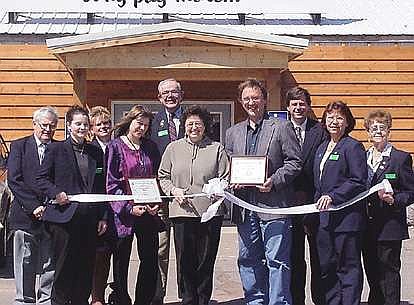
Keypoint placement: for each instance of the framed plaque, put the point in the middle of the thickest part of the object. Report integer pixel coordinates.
(145, 189)
(248, 170)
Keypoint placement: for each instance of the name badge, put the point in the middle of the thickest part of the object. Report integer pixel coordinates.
(163, 133)
(334, 157)
(391, 176)
(99, 170)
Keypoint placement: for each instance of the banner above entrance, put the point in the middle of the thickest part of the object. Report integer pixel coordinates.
(168, 6)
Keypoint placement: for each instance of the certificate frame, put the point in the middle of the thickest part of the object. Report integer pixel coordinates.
(146, 189)
(248, 170)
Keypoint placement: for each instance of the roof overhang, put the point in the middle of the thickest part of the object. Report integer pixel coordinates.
(213, 37)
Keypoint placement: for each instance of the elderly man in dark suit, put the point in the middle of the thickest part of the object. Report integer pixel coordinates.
(165, 128)
(310, 135)
(264, 239)
(32, 238)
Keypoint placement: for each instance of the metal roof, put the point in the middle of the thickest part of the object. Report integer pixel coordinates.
(346, 17)
(178, 27)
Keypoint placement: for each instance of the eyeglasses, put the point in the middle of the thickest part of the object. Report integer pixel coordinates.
(173, 92)
(46, 126)
(335, 118)
(254, 99)
(378, 128)
(194, 124)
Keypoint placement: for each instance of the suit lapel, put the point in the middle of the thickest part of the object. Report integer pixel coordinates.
(240, 143)
(379, 174)
(266, 135)
(309, 139)
(70, 156)
(32, 152)
(91, 168)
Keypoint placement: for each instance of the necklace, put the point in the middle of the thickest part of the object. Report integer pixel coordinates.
(134, 146)
(137, 152)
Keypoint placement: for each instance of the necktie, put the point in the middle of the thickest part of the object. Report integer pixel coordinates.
(298, 131)
(42, 149)
(171, 128)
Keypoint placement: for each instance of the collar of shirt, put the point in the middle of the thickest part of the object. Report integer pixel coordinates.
(385, 153)
(302, 126)
(38, 142)
(101, 144)
(177, 113)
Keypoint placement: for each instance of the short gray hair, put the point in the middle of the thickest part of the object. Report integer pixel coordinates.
(161, 83)
(42, 112)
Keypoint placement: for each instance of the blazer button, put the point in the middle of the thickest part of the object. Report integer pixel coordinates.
(369, 204)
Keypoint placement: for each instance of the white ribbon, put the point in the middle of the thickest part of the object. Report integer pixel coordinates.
(216, 187)
(295, 210)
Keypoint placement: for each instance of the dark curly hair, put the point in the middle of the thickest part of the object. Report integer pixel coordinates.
(202, 113)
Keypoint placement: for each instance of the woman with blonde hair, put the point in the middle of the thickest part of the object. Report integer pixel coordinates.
(133, 155)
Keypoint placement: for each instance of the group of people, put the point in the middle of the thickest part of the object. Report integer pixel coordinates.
(70, 244)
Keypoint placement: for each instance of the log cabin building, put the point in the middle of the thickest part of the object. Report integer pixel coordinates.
(361, 53)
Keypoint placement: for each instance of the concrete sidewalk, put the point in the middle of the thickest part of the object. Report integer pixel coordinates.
(227, 289)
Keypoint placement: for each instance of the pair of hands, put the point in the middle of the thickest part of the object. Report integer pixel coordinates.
(102, 225)
(325, 201)
(138, 210)
(266, 187)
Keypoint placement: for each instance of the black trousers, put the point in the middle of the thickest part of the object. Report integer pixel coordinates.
(298, 263)
(146, 232)
(74, 246)
(196, 247)
(382, 265)
(341, 267)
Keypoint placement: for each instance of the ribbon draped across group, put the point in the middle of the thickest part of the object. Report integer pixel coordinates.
(217, 188)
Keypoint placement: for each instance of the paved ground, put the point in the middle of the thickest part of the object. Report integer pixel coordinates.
(227, 290)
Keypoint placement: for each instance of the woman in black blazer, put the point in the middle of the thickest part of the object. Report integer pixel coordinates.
(340, 173)
(386, 212)
(73, 167)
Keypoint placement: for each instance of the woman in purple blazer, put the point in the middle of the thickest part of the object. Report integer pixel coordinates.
(132, 155)
(340, 172)
(386, 212)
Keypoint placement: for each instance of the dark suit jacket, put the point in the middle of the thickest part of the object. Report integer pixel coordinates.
(23, 164)
(342, 179)
(314, 136)
(159, 131)
(278, 142)
(60, 173)
(389, 222)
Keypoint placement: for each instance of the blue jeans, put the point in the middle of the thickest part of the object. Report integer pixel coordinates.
(264, 260)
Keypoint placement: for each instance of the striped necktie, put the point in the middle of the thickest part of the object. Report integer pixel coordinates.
(42, 149)
(298, 132)
(171, 128)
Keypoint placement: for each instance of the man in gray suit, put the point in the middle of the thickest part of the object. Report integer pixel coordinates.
(264, 239)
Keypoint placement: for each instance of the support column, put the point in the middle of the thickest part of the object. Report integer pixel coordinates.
(79, 87)
(273, 87)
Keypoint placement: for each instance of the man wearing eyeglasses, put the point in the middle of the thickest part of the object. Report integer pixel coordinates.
(32, 239)
(165, 128)
(264, 239)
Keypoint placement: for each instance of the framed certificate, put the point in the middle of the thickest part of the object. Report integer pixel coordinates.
(248, 170)
(145, 189)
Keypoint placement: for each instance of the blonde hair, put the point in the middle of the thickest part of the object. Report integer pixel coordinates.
(99, 112)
